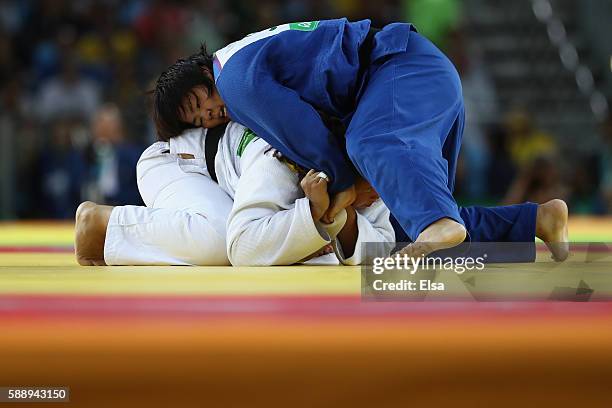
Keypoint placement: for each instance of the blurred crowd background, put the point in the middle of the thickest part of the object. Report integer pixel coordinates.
(74, 74)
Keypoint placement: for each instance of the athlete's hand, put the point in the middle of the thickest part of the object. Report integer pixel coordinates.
(366, 195)
(339, 202)
(327, 249)
(315, 188)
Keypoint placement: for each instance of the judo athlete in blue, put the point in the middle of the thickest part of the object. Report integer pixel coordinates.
(400, 99)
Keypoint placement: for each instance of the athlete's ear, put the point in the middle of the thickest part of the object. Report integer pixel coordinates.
(206, 71)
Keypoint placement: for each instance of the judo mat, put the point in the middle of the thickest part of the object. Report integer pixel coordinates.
(287, 336)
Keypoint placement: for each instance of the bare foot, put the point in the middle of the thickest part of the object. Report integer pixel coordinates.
(442, 234)
(90, 233)
(551, 227)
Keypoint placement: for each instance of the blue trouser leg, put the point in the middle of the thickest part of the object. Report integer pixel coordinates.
(506, 224)
(512, 223)
(405, 134)
(511, 229)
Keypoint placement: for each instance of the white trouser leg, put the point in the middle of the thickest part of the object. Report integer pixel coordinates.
(184, 222)
(162, 236)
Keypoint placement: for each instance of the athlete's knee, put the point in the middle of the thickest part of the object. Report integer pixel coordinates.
(91, 221)
(92, 216)
(85, 211)
(373, 146)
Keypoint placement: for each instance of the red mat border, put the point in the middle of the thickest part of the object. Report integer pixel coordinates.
(294, 306)
(36, 249)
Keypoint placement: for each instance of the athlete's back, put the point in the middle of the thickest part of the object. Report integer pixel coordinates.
(274, 81)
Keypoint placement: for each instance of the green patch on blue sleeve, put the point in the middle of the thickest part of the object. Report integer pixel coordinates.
(304, 26)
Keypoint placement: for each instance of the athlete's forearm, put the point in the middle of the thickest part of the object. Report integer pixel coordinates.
(371, 225)
(349, 234)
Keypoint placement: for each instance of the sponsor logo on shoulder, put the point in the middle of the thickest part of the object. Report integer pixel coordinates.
(247, 137)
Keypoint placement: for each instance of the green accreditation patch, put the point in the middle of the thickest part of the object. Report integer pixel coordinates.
(247, 137)
(304, 26)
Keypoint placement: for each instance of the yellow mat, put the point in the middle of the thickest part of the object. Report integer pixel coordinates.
(582, 229)
(285, 336)
(57, 273)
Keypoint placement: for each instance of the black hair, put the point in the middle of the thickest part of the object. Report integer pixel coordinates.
(173, 85)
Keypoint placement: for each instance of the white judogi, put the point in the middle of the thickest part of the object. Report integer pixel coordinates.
(184, 222)
(269, 224)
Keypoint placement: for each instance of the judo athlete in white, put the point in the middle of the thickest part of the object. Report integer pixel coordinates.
(190, 220)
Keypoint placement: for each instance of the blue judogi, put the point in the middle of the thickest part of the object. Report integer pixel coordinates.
(403, 110)
(511, 223)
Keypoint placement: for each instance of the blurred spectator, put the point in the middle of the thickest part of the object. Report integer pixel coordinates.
(533, 153)
(12, 14)
(68, 95)
(606, 165)
(481, 109)
(206, 20)
(500, 169)
(162, 27)
(62, 170)
(584, 182)
(527, 143)
(61, 59)
(7, 65)
(8, 129)
(19, 138)
(113, 160)
(435, 19)
(539, 181)
(380, 12)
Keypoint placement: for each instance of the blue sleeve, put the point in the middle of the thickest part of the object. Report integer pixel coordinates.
(279, 116)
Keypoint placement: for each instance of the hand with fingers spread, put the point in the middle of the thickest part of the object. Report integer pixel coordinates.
(339, 202)
(315, 189)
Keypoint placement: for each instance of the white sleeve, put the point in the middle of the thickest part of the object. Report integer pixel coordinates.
(373, 226)
(270, 222)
